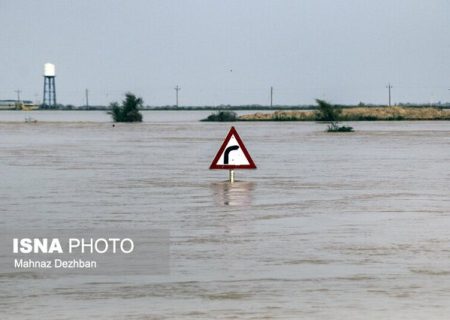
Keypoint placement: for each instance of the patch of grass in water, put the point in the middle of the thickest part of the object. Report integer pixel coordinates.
(339, 129)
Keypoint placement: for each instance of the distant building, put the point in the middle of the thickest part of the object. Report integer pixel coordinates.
(15, 105)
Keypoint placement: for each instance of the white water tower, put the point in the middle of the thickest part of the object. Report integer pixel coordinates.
(49, 99)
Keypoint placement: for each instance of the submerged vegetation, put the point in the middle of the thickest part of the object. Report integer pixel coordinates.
(327, 112)
(129, 110)
(222, 116)
(333, 127)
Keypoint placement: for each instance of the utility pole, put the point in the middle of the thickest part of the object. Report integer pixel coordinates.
(389, 86)
(87, 98)
(271, 96)
(177, 89)
(18, 91)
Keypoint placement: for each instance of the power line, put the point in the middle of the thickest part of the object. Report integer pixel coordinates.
(389, 86)
(271, 96)
(177, 89)
(87, 98)
(18, 91)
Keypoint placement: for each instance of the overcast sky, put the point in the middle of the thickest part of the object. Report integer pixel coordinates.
(228, 51)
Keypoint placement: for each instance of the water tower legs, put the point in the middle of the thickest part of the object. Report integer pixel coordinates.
(49, 100)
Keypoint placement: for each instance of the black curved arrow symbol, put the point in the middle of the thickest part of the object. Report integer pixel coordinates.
(227, 152)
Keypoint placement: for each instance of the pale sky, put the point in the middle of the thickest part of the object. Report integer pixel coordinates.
(228, 51)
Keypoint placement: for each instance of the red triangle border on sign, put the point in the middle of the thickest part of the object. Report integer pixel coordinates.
(234, 133)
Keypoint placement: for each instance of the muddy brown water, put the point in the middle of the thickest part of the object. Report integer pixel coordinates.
(330, 226)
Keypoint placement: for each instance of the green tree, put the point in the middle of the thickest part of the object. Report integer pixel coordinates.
(331, 114)
(327, 112)
(128, 111)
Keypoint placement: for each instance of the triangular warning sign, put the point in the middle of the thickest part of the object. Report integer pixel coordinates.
(233, 154)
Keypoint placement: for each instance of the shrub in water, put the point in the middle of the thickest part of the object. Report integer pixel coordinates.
(129, 110)
(339, 129)
(222, 116)
(330, 113)
(327, 111)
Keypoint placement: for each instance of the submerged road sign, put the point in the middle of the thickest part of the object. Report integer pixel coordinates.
(233, 154)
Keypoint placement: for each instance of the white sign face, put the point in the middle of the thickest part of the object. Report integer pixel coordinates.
(233, 154)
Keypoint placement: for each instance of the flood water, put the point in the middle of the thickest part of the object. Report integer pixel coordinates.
(330, 226)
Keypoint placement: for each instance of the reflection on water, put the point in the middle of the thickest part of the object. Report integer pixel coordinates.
(238, 193)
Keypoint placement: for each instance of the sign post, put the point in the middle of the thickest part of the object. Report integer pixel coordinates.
(231, 176)
(232, 155)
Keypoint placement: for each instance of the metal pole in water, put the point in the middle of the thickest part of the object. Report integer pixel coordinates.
(231, 176)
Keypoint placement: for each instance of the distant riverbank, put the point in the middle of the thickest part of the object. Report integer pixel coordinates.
(355, 114)
(348, 114)
(171, 108)
(96, 116)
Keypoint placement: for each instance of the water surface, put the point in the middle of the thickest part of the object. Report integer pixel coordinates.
(330, 226)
